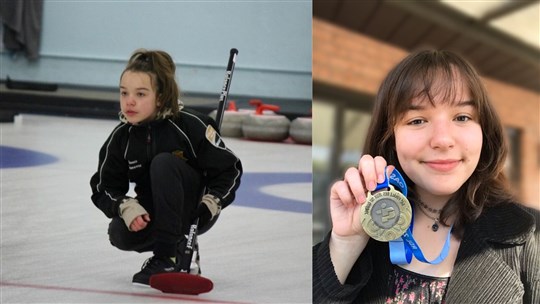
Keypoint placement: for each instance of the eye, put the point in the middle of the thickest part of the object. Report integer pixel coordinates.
(463, 118)
(417, 121)
(122, 93)
(141, 94)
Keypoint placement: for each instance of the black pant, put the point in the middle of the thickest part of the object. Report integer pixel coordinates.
(176, 190)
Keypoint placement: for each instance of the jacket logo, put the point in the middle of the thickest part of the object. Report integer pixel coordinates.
(213, 137)
(134, 164)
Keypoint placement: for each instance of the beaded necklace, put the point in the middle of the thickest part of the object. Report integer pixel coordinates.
(435, 226)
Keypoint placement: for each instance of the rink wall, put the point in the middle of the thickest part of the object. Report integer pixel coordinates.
(85, 45)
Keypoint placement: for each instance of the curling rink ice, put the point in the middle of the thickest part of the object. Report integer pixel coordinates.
(54, 243)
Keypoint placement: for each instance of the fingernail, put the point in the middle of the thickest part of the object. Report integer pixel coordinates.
(372, 186)
(380, 178)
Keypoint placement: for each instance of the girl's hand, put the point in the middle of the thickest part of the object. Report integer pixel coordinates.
(348, 238)
(348, 195)
(140, 222)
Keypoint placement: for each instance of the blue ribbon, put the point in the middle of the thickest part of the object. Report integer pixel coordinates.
(403, 248)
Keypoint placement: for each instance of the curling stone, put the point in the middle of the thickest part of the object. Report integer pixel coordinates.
(231, 125)
(264, 126)
(300, 130)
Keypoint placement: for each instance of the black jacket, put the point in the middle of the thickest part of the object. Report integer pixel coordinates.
(498, 261)
(126, 156)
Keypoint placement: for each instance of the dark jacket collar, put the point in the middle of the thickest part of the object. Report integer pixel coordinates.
(509, 224)
(151, 124)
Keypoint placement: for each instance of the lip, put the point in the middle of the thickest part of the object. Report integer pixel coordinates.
(443, 165)
(130, 113)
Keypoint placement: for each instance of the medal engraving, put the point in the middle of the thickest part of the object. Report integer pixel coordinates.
(386, 215)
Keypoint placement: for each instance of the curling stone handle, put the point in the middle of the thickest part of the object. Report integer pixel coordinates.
(255, 102)
(260, 108)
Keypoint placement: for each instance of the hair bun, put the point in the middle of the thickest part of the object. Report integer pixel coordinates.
(144, 57)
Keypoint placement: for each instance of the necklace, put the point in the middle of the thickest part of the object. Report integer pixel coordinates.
(432, 210)
(435, 225)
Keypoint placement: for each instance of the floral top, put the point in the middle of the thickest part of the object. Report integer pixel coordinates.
(411, 287)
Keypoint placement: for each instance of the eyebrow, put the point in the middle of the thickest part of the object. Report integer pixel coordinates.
(146, 89)
(464, 103)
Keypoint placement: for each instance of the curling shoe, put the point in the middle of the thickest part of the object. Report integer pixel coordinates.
(151, 266)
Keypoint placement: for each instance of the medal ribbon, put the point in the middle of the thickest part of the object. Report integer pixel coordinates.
(403, 248)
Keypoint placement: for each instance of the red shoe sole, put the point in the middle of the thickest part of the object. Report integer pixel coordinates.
(182, 283)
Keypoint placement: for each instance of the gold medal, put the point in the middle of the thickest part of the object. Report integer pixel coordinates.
(386, 214)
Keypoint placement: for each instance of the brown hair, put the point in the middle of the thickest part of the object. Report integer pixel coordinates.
(418, 75)
(161, 68)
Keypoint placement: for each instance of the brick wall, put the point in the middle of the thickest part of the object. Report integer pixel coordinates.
(346, 60)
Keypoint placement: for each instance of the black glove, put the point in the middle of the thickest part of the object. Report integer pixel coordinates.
(209, 208)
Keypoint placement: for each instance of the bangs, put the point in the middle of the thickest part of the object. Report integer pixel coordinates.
(442, 86)
(439, 78)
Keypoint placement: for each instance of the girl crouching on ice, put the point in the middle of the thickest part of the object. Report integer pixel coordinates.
(170, 153)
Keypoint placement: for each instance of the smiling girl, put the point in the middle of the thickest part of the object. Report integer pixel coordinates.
(171, 154)
(434, 123)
